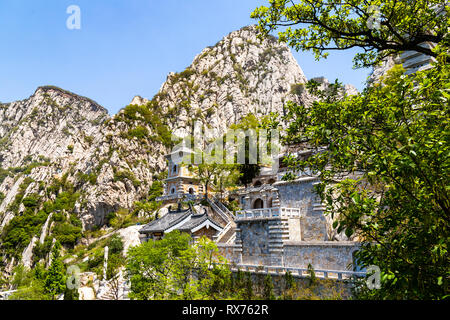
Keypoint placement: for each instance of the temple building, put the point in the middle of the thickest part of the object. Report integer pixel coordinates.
(184, 220)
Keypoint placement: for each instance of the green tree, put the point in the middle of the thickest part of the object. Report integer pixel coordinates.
(71, 294)
(175, 268)
(115, 244)
(248, 289)
(22, 276)
(379, 28)
(33, 291)
(268, 288)
(28, 283)
(227, 177)
(383, 159)
(216, 176)
(150, 265)
(290, 286)
(55, 281)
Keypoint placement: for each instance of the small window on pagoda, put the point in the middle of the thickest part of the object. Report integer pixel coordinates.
(174, 169)
(172, 191)
(191, 190)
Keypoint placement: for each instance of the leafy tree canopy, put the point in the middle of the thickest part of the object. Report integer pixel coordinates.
(380, 28)
(383, 157)
(174, 268)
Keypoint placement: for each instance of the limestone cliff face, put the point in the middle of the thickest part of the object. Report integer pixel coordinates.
(237, 76)
(111, 161)
(225, 82)
(46, 124)
(42, 137)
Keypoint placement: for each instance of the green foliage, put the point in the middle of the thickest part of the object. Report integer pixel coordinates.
(24, 169)
(91, 177)
(3, 174)
(150, 205)
(268, 288)
(212, 174)
(139, 132)
(248, 289)
(88, 139)
(395, 138)
(297, 89)
(115, 244)
(67, 233)
(290, 286)
(121, 219)
(152, 115)
(334, 25)
(40, 251)
(71, 294)
(55, 280)
(96, 259)
(22, 276)
(174, 268)
(33, 291)
(115, 262)
(65, 201)
(156, 190)
(31, 201)
(28, 283)
(186, 74)
(122, 175)
(18, 232)
(312, 274)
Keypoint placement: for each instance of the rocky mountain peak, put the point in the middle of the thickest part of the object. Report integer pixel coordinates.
(48, 124)
(238, 75)
(138, 100)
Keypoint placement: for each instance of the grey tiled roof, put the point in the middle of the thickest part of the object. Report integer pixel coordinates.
(165, 222)
(197, 220)
(174, 217)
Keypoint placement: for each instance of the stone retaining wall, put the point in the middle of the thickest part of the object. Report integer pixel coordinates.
(321, 288)
(325, 255)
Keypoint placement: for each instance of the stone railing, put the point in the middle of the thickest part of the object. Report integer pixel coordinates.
(296, 173)
(219, 211)
(176, 196)
(299, 272)
(268, 213)
(226, 232)
(223, 208)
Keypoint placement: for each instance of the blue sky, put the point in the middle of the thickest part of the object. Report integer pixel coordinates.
(124, 47)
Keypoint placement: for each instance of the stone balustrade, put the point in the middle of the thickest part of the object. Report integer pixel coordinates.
(268, 213)
(176, 196)
(299, 272)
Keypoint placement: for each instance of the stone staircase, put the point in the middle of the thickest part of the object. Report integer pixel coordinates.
(224, 209)
(278, 234)
(114, 289)
(225, 215)
(229, 232)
